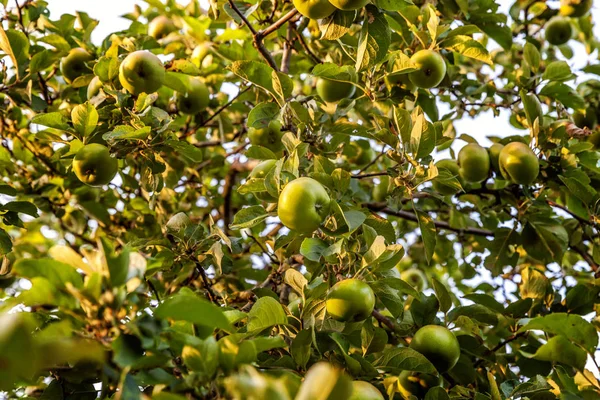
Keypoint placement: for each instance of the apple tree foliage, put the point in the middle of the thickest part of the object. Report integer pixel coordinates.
(177, 280)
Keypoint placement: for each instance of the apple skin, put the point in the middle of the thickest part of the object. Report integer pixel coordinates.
(440, 186)
(314, 9)
(269, 136)
(558, 30)
(195, 100)
(431, 69)
(519, 164)
(349, 5)
(438, 345)
(260, 171)
(575, 8)
(334, 91)
(364, 153)
(160, 27)
(416, 384)
(303, 205)
(494, 152)
(362, 390)
(585, 119)
(94, 166)
(474, 163)
(141, 72)
(415, 277)
(350, 300)
(94, 87)
(73, 65)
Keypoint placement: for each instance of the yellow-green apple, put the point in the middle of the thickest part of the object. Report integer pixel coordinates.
(94, 166)
(195, 100)
(141, 72)
(519, 164)
(438, 344)
(75, 64)
(94, 87)
(362, 390)
(268, 136)
(350, 300)
(260, 171)
(474, 163)
(430, 69)
(303, 205)
(349, 5)
(160, 27)
(558, 30)
(314, 9)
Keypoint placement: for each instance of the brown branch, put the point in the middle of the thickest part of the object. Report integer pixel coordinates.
(384, 320)
(211, 295)
(500, 345)
(369, 175)
(587, 258)
(287, 50)
(260, 35)
(308, 50)
(410, 216)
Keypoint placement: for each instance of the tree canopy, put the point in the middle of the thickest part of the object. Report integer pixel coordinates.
(262, 199)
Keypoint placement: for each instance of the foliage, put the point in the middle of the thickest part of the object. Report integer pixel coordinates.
(177, 279)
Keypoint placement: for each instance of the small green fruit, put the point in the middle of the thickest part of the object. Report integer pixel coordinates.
(94, 166)
(333, 91)
(349, 5)
(519, 164)
(303, 205)
(160, 27)
(314, 9)
(415, 277)
(438, 345)
(474, 163)
(195, 100)
(441, 186)
(260, 171)
(362, 390)
(141, 72)
(558, 30)
(494, 152)
(350, 300)
(74, 64)
(269, 136)
(431, 69)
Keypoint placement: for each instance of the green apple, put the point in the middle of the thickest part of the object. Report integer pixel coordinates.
(269, 136)
(519, 164)
(314, 9)
(333, 91)
(350, 300)
(199, 53)
(349, 5)
(558, 30)
(303, 205)
(494, 152)
(94, 166)
(444, 187)
(438, 344)
(415, 277)
(94, 87)
(474, 163)
(575, 8)
(416, 383)
(195, 100)
(585, 119)
(402, 80)
(362, 152)
(74, 64)
(362, 390)
(141, 72)
(160, 27)
(260, 171)
(431, 69)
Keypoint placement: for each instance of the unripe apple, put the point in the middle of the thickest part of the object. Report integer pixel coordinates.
(519, 164)
(94, 166)
(439, 185)
(314, 9)
(333, 91)
(494, 152)
(350, 300)
(141, 72)
(199, 53)
(195, 100)
(362, 390)
(474, 163)
(260, 171)
(558, 30)
(575, 8)
(416, 384)
(585, 119)
(160, 27)
(363, 153)
(269, 136)
(438, 345)
(349, 5)
(415, 277)
(303, 205)
(431, 69)
(74, 64)
(94, 87)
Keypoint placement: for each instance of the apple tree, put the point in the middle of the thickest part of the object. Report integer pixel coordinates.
(274, 199)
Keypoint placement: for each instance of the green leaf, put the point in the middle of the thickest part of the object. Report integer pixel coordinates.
(260, 74)
(545, 239)
(560, 349)
(374, 40)
(405, 359)
(313, 248)
(187, 150)
(475, 311)
(532, 55)
(15, 45)
(468, 47)
(57, 273)
(336, 25)
(187, 306)
(295, 280)
(558, 71)
(42, 60)
(5, 243)
(422, 135)
(249, 217)
(24, 207)
(335, 73)
(202, 357)
(85, 118)
(52, 120)
(389, 290)
(437, 393)
(263, 113)
(571, 326)
(441, 292)
(565, 94)
(177, 81)
(582, 191)
(428, 233)
(265, 313)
